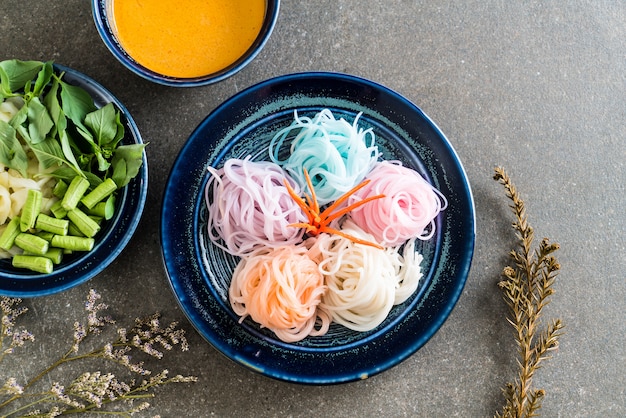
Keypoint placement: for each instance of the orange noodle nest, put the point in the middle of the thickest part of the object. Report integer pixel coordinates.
(280, 289)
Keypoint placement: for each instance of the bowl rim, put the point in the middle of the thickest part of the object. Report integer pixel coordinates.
(99, 13)
(254, 353)
(111, 242)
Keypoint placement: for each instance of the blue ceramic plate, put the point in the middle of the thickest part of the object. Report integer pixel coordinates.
(111, 239)
(199, 272)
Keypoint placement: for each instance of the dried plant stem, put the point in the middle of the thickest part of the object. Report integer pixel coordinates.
(527, 287)
(66, 358)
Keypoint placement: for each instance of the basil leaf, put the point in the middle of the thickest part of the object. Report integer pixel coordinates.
(67, 151)
(43, 78)
(126, 162)
(94, 180)
(49, 153)
(51, 101)
(102, 123)
(103, 164)
(120, 131)
(19, 122)
(27, 86)
(61, 126)
(12, 153)
(66, 173)
(86, 142)
(15, 74)
(119, 172)
(39, 121)
(76, 103)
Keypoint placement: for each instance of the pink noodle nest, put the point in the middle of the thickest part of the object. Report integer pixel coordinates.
(250, 208)
(408, 209)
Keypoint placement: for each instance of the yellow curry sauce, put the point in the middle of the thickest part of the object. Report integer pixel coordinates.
(187, 38)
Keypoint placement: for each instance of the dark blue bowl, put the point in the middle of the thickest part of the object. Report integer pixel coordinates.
(101, 10)
(115, 233)
(200, 273)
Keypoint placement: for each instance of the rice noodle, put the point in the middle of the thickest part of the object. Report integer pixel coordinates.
(408, 209)
(336, 154)
(280, 289)
(296, 287)
(364, 282)
(249, 207)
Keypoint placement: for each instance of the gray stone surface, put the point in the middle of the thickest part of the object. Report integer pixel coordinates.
(537, 87)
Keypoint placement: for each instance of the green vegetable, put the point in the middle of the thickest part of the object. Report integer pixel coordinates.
(36, 263)
(39, 121)
(12, 153)
(74, 193)
(77, 143)
(50, 224)
(15, 74)
(74, 231)
(63, 126)
(47, 235)
(58, 210)
(10, 232)
(83, 222)
(101, 191)
(104, 210)
(70, 242)
(54, 254)
(126, 163)
(59, 189)
(32, 243)
(31, 209)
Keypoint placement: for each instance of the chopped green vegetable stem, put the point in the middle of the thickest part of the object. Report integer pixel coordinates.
(31, 209)
(10, 233)
(33, 262)
(99, 210)
(54, 254)
(60, 188)
(75, 191)
(104, 209)
(74, 231)
(32, 243)
(70, 242)
(83, 222)
(50, 224)
(99, 193)
(58, 210)
(45, 235)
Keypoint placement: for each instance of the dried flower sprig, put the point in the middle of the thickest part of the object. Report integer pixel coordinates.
(16, 337)
(91, 391)
(527, 287)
